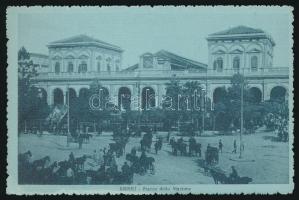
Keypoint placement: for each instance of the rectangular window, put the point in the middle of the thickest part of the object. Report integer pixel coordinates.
(82, 68)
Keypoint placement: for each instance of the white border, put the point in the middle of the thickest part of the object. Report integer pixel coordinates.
(12, 144)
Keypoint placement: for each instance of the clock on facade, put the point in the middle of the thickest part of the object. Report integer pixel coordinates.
(147, 61)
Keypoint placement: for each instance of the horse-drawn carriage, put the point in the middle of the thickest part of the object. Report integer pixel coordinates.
(220, 176)
(117, 148)
(142, 164)
(146, 141)
(212, 155)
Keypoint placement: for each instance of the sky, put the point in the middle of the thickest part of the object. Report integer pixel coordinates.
(181, 30)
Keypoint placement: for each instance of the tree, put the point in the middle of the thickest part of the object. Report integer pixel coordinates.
(189, 90)
(228, 108)
(185, 107)
(173, 90)
(28, 95)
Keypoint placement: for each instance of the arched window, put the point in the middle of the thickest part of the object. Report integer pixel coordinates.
(218, 65)
(82, 67)
(57, 67)
(215, 65)
(70, 67)
(254, 63)
(99, 66)
(236, 63)
(117, 63)
(108, 60)
(99, 58)
(108, 67)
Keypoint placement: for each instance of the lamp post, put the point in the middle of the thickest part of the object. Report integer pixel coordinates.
(100, 97)
(242, 120)
(214, 115)
(68, 115)
(146, 100)
(40, 96)
(203, 109)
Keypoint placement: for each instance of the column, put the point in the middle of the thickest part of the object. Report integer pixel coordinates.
(64, 97)
(135, 101)
(50, 97)
(92, 66)
(76, 61)
(161, 92)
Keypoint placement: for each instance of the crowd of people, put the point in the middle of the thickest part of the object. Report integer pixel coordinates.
(279, 124)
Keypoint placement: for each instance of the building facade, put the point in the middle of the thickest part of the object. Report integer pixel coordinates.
(74, 63)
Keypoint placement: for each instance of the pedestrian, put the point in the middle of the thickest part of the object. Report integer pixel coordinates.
(235, 147)
(101, 157)
(72, 159)
(70, 175)
(220, 146)
(168, 136)
(208, 147)
(126, 171)
(242, 146)
(113, 159)
(95, 156)
(156, 147)
(80, 140)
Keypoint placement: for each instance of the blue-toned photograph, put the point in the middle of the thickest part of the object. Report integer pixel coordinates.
(154, 96)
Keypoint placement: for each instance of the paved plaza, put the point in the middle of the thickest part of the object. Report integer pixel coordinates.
(264, 160)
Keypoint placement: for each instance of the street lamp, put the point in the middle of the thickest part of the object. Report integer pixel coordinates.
(68, 115)
(40, 96)
(146, 100)
(203, 109)
(242, 116)
(100, 97)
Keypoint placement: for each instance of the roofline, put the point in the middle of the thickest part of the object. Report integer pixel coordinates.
(186, 59)
(72, 44)
(39, 55)
(247, 35)
(132, 67)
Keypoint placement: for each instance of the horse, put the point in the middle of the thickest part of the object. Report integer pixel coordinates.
(40, 164)
(37, 168)
(149, 163)
(174, 147)
(218, 177)
(146, 141)
(47, 174)
(182, 147)
(119, 147)
(158, 145)
(79, 162)
(24, 157)
(197, 149)
(132, 158)
(115, 147)
(24, 167)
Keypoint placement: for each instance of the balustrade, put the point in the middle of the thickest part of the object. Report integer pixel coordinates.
(165, 73)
